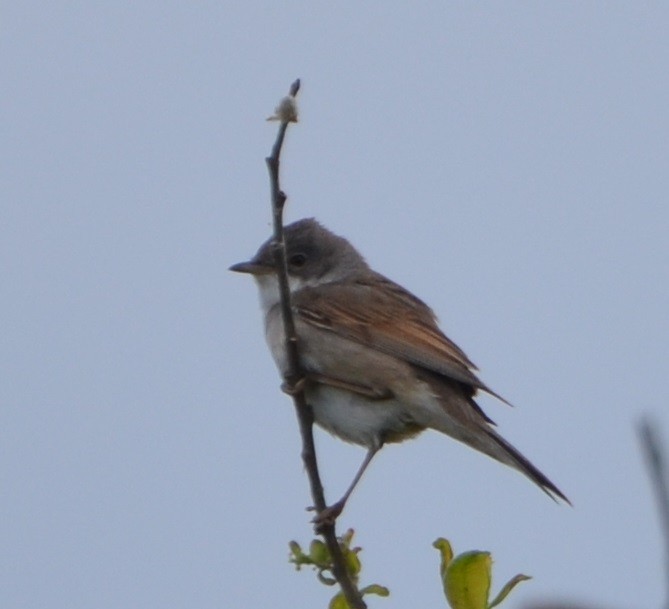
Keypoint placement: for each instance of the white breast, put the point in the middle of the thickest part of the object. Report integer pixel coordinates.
(356, 419)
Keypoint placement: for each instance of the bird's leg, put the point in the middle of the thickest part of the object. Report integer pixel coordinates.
(330, 513)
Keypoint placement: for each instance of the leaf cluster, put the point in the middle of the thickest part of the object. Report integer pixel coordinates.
(320, 558)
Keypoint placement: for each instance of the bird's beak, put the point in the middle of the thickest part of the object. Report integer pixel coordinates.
(252, 268)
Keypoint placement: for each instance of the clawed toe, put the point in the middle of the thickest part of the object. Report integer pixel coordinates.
(328, 516)
(292, 388)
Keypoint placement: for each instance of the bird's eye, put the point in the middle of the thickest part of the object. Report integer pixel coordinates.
(297, 260)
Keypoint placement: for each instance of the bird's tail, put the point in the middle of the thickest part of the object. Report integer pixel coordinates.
(498, 448)
(479, 434)
(459, 416)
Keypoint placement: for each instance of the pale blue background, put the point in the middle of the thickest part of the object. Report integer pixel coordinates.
(506, 161)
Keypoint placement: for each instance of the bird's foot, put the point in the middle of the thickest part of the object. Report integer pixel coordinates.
(328, 516)
(294, 387)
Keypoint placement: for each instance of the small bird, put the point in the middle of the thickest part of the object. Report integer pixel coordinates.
(377, 367)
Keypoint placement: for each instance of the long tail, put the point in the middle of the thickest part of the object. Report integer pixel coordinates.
(480, 436)
(508, 454)
(459, 416)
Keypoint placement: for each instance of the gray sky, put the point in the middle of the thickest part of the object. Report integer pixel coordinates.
(507, 162)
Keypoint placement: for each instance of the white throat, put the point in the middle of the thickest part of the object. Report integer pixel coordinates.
(268, 287)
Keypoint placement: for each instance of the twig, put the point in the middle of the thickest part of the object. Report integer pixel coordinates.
(652, 448)
(286, 114)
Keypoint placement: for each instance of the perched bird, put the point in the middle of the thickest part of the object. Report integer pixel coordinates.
(377, 367)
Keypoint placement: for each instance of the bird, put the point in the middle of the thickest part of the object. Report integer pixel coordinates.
(377, 368)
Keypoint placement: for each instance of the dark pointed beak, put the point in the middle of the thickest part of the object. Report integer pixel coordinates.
(252, 268)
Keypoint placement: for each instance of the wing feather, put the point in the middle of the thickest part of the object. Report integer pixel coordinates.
(391, 320)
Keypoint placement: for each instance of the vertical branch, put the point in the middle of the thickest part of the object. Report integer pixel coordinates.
(286, 113)
(655, 461)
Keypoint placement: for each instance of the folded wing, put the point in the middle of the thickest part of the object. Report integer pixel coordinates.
(390, 320)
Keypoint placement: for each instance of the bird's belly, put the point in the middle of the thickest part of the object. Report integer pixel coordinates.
(359, 420)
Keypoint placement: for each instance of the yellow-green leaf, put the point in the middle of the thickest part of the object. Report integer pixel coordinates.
(319, 553)
(347, 537)
(298, 557)
(510, 585)
(339, 602)
(446, 551)
(467, 580)
(324, 579)
(375, 589)
(352, 561)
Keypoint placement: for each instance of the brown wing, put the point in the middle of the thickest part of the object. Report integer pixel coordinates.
(389, 319)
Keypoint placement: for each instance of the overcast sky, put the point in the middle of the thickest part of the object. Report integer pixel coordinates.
(505, 161)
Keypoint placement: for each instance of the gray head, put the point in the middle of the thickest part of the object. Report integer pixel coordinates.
(314, 256)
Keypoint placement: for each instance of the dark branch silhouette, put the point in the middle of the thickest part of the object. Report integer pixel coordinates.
(293, 381)
(655, 461)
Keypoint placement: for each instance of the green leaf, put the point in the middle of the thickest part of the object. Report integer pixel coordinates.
(298, 557)
(339, 602)
(375, 589)
(446, 551)
(324, 579)
(353, 565)
(319, 553)
(467, 580)
(347, 538)
(510, 585)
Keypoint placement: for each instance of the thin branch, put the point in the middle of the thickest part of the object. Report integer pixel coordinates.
(286, 114)
(655, 462)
